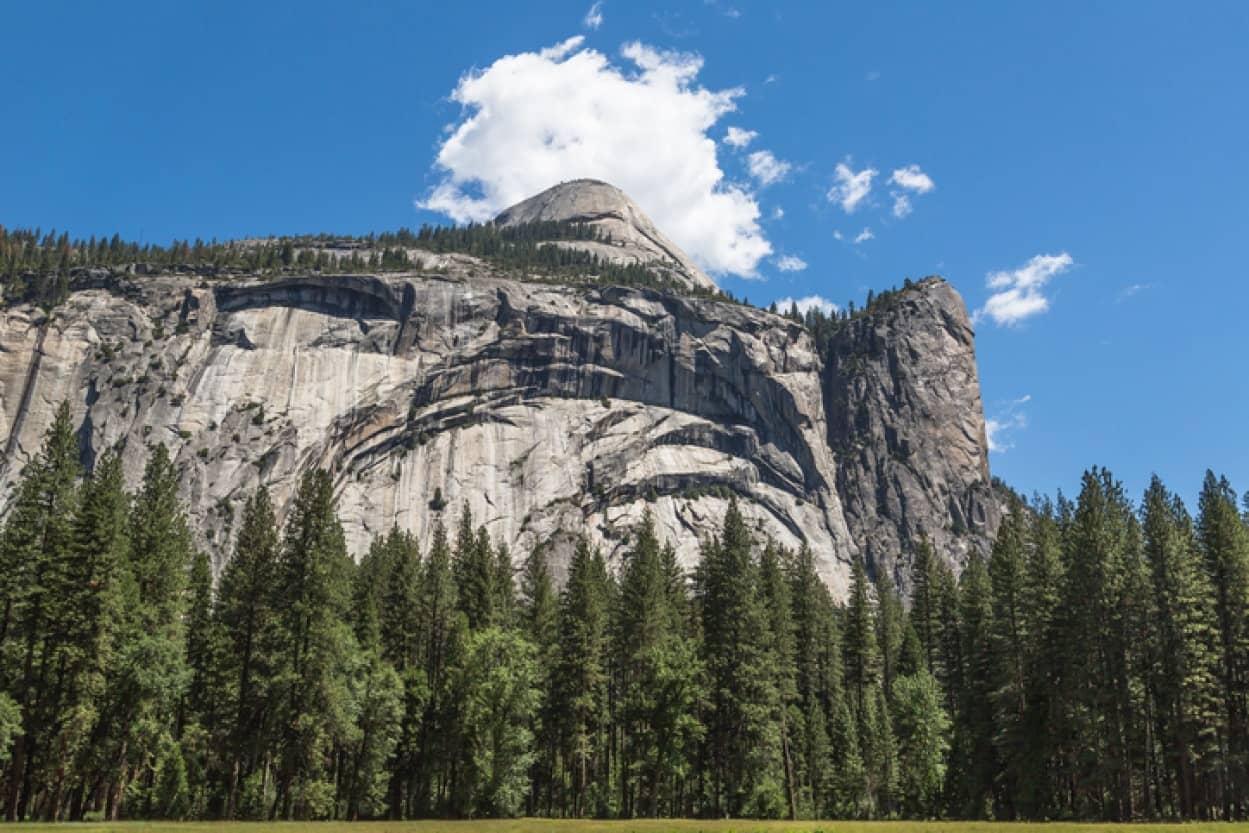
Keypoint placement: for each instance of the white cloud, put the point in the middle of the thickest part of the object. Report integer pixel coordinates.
(539, 118)
(558, 51)
(901, 205)
(912, 179)
(594, 17)
(766, 168)
(1000, 429)
(1019, 292)
(1133, 289)
(837, 234)
(790, 263)
(778, 213)
(810, 302)
(864, 236)
(728, 11)
(851, 187)
(738, 137)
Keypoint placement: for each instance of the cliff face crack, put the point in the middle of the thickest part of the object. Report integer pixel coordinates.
(28, 390)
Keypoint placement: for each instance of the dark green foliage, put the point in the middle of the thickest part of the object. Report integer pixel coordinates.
(315, 644)
(475, 573)
(659, 680)
(823, 326)
(44, 268)
(922, 728)
(582, 681)
(975, 762)
(246, 608)
(1224, 544)
(1092, 665)
(743, 733)
(1182, 654)
(496, 686)
(538, 619)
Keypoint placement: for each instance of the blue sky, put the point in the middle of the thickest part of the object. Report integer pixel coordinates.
(1110, 138)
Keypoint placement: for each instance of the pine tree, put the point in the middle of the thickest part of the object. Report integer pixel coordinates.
(440, 624)
(538, 607)
(101, 540)
(150, 675)
(947, 634)
(1042, 769)
(890, 631)
(975, 765)
(1224, 544)
(203, 712)
(369, 588)
(539, 621)
(389, 630)
(818, 670)
(1007, 645)
(37, 558)
(503, 588)
(743, 733)
(160, 548)
(880, 753)
(775, 596)
(475, 573)
(247, 602)
(861, 652)
(201, 644)
(659, 690)
(1097, 650)
(583, 676)
(1184, 651)
(400, 612)
(315, 646)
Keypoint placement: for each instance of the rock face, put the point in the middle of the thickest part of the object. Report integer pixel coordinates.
(634, 238)
(548, 410)
(906, 423)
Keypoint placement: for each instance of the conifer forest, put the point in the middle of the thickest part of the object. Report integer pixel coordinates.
(1092, 665)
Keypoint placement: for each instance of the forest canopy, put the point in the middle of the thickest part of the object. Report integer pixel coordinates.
(39, 267)
(1091, 665)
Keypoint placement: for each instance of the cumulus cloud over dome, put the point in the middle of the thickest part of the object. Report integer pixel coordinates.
(535, 119)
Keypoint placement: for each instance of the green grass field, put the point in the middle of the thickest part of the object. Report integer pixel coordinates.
(636, 826)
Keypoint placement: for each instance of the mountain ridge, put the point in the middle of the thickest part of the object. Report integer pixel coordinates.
(547, 409)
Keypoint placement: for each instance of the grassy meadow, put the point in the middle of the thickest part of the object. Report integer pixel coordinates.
(537, 825)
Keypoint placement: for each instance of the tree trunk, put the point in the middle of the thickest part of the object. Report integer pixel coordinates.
(114, 810)
(789, 769)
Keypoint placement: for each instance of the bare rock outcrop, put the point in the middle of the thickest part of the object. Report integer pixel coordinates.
(548, 410)
(633, 237)
(907, 426)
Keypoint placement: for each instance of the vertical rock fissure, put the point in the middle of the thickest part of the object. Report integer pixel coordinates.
(28, 390)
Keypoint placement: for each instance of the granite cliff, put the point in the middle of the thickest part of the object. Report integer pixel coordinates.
(549, 410)
(907, 428)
